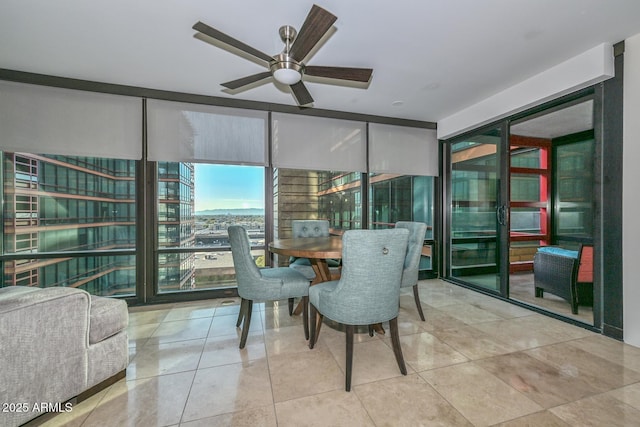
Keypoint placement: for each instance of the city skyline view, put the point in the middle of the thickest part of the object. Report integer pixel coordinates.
(228, 187)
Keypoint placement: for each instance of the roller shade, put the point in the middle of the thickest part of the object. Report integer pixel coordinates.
(317, 143)
(402, 150)
(203, 133)
(48, 120)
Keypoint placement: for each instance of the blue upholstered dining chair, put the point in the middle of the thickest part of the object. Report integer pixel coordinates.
(301, 228)
(368, 291)
(263, 284)
(412, 260)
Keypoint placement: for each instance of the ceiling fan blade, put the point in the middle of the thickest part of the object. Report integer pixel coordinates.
(220, 36)
(342, 73)
(315, 26)
(235, 84)
(301, 94)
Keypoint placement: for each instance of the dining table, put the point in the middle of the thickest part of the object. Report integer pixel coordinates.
(318, 250)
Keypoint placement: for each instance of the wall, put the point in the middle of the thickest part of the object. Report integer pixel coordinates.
(579, 72)
(631, 195)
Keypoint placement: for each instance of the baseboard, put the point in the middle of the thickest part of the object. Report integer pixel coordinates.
(100, 386)
(41, 419)
(613, 332)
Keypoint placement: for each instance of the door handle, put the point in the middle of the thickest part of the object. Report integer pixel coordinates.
(501, 214)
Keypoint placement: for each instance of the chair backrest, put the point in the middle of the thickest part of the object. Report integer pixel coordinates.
(369, 288)
(247, 272)
(417, 231)
(309, 228)
(585, 270)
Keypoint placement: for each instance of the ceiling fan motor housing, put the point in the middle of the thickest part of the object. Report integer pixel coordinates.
(284, 69)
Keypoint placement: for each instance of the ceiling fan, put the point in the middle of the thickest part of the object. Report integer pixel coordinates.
(287, 67)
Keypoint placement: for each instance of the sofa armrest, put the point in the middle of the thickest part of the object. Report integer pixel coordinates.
(43, 347)
(556, 274)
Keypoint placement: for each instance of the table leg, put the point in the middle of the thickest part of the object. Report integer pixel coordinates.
(321, 268)
(378, 328)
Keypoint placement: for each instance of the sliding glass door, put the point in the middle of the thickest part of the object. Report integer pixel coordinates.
(513, 188)
(553, 183)
(478, 214)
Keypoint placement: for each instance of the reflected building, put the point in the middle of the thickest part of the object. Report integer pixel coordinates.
(69, 206)
(77, 205)
(176, 225)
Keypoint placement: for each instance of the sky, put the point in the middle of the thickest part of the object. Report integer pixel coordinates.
(228, 187)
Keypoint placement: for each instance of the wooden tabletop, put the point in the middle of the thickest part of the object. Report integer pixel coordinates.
(309, 247)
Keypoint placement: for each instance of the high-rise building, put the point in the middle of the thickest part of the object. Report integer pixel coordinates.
(176, 225)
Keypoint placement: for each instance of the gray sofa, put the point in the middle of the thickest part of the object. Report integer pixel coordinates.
(57, 345)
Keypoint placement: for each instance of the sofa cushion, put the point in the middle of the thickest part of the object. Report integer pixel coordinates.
(10, 292)
(559, 251)
(108, 316)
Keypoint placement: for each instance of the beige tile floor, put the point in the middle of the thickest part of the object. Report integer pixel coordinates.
(476, 361)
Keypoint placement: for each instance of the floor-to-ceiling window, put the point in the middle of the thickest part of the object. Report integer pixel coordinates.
(209, 174)
(69, 188)
(122, 195)
(337, 197)
(196, 205)
(396, 198)
(64, 218)
(316, 194)
(318, 168)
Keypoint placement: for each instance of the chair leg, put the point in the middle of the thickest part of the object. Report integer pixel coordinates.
(290, 306)
(247, 322)
(370, 330)
(315, 320)
(349, 362)
(305, 316)
(417, 298)
(319, 318)
(243, 306)
(395, 340)
(313, 313)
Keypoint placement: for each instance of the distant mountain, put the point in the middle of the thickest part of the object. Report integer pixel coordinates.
(237, 212)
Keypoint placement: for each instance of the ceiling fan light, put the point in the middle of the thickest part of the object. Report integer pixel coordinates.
(287, 76)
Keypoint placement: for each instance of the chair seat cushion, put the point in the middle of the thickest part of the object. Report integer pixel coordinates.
(108, 316)
(316, 290)
(306, 262)
(307, 270)
(286, 283)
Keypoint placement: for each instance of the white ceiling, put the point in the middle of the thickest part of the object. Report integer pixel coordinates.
(434, 57)
(553, 124)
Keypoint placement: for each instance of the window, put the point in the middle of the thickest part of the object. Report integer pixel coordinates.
(196, 204)
(573, 187)
(396, 198)
(46, 210)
